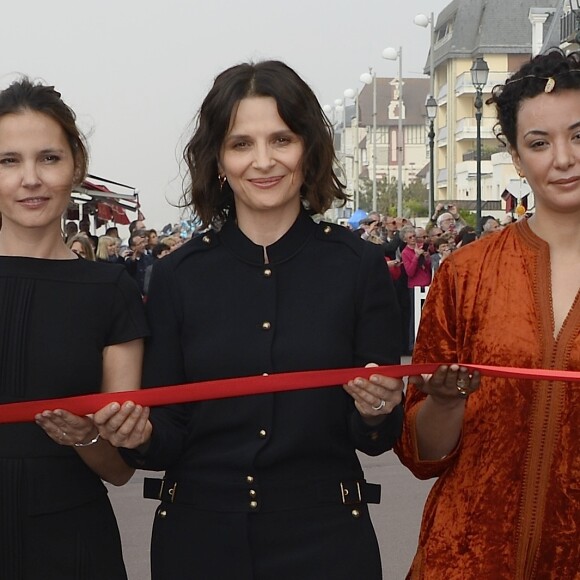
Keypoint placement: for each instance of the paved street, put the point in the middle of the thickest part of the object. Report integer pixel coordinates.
(396, 518)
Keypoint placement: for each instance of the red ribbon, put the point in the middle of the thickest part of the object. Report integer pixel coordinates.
(277, 383)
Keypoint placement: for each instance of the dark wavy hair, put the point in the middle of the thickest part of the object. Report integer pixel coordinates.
(298, 108)
(24, 95)
(551, 72)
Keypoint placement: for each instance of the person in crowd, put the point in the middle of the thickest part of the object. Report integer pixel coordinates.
(85, 228)
(70, 231)
(447, 223)
(137, 259)
(137, 225)
(417, 263)
(421, 238)
(170, 241)
(265, 486)
(489, 226)
(152, 240)
(159, 251)
(389, 227)
(442, 250)
(113, 232)
(81, 246)
(370, 227)
(444, 209)
(107, 251)
(416, 259)
(506, 451)
(56, 521)
(465, 236)
(433, 234)
(393, 246)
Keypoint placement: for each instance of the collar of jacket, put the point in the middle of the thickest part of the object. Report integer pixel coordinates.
(284, 249)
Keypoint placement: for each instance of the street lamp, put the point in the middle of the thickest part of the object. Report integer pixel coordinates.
(353, 95)
(392, 54)
(367, 79)
(431, 108)
(479, 73)
(424, 21)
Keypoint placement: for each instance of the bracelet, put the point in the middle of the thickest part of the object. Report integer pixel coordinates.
(88, 443)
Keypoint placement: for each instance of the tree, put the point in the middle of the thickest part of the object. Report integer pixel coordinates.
(415, 197)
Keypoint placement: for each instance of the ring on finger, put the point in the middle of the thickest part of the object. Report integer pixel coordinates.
(461, 390)
(379, 406)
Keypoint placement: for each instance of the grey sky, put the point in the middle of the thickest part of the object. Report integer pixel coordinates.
(136, 71)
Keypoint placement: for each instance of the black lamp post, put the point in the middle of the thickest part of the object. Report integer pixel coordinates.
(431, 108)
(575, 9)
(479, 74)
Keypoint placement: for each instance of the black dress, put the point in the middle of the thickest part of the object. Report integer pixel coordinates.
(260, 476)
(56, 316)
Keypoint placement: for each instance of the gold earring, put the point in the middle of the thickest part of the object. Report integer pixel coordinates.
(222, 179)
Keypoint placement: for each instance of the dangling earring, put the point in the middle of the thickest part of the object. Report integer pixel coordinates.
(222, 179)
(520, 209)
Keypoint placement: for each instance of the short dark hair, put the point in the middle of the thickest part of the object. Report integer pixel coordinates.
(551, 72)
(24, 95)
(440, 242)
(159, 248)
(298, 108)
(136, 234)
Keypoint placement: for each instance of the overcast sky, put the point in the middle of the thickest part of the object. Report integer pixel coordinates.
(136, 71)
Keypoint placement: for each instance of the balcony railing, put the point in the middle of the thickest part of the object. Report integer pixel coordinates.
(568, 27)
(466, 128)
(463, 84)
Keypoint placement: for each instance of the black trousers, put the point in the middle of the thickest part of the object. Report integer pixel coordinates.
(322, 543)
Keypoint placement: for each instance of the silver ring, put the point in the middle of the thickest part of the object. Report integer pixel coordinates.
(461, 391)
(379, 406)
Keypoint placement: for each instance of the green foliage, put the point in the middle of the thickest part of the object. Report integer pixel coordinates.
(468, 216)
(415, 197)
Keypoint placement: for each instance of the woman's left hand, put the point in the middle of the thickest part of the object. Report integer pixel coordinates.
(376, 397)
(65, 428)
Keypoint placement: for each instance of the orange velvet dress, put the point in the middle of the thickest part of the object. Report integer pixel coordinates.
(507, 501)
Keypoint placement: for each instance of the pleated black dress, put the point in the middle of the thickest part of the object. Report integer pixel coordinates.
(56, 316)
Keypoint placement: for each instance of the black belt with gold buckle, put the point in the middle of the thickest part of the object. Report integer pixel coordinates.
(256, 497)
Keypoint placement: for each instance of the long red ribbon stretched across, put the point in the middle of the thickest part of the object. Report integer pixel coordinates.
(276, 383)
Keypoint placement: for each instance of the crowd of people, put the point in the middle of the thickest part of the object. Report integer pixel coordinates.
(270, 485)
(414, 253)
(138, 252)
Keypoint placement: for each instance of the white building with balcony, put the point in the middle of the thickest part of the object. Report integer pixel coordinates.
(505, 35)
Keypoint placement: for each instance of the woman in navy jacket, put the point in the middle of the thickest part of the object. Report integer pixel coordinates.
(265, 486)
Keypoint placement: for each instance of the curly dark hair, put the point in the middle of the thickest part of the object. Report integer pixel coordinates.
(24, 95)
(298, 108)
(551, 72)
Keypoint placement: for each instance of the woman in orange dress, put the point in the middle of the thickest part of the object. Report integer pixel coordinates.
(507, 451)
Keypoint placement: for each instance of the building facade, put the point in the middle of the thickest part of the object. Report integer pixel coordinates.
(465, 30)
(367, 154)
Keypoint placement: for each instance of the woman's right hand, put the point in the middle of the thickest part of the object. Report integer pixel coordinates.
(449, 384)
(125, 425)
